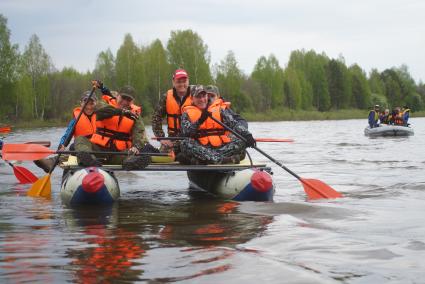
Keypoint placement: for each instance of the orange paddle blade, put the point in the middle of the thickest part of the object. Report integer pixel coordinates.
(25, 152)
(5, 129)
(41, 188)
(44, 143)
(274, 140)
(24, 175)
(316, 189)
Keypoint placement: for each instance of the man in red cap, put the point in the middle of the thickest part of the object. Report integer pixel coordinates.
(170, 106)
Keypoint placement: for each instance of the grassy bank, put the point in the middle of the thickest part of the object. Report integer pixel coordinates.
(279, 115)
(275, 115)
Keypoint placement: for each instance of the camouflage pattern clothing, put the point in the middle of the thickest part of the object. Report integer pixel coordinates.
(191, 148)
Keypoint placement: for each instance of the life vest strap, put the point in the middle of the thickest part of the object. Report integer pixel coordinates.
(114, 135)
(210, 132)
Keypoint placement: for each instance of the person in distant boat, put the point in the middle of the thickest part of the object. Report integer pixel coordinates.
(86, 126)
(209, 142)
(170, 106)
(215, 97)
(396, 117)
(384, 118)
(374, 117)
(1, 144)
(405, 114)
(118, 128)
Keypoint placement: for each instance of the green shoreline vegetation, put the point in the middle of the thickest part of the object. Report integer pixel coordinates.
(309, 86)
(272, 116)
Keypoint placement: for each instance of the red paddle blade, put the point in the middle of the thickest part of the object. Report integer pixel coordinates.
(25, 152)
(23, 175)
(316, 189)
(41, 188)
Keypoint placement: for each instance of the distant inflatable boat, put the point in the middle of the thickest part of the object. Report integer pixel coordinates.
(389, 130)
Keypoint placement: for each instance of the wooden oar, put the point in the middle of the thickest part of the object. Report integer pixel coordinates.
(22, 174)
(256, 139)
(43, 187)
(315, 189)
(31, 152)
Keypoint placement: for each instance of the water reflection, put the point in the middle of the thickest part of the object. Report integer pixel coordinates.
(120, 242)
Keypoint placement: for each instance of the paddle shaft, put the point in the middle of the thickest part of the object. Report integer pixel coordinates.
(114, 153)
(256, 139)
(68, 139)
(256, 148)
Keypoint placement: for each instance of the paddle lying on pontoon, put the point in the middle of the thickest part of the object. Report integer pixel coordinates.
(315, 189)
(256, 139)
(31, 152)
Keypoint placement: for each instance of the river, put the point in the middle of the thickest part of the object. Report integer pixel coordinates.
(159, 233)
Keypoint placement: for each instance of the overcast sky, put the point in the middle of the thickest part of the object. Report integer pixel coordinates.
(372, 33)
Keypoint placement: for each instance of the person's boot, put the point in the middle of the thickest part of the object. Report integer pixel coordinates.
(136, 162)
(86, 160)
(182, 159)
(45, 164)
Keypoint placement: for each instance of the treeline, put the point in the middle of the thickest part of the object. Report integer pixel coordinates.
(32, 88)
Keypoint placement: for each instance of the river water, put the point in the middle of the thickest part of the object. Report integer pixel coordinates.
(158, 232)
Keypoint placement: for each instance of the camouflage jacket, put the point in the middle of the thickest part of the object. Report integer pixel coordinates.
(160, 113)
(190, 129)
(138, 134)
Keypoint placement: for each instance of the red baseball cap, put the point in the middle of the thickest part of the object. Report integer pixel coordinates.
(180, 73)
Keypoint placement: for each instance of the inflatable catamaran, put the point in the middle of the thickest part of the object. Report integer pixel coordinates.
(240, 182)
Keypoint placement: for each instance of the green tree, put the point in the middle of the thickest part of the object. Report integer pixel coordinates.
(125, 63)
(158, 78)
(269, 75)
(9, 57)
(360, 88)
(187, 50)
(292, 89)
(37, 65)
(338, 84)
(229, 80)
(105, 68)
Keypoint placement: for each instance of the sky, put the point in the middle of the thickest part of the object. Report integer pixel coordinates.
(377, 34)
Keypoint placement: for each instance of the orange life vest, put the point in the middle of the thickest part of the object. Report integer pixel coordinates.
(113, 102)
(174, 111)
(209, 132)
(85, 126)
(115, 132)
(398, 119)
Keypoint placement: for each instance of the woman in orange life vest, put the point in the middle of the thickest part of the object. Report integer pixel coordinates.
(170, 106)
(210, 143)
(118, 128)
(86, 126)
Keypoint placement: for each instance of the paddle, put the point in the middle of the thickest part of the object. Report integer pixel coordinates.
(30, 152)
(42, 187)
(22, 174)
(315, 189)
(44, 143)
(5, 129)
(256, 139)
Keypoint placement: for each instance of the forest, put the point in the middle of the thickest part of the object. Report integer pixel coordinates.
(32, 89)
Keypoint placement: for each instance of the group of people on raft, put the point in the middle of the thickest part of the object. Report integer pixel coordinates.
(398, 116)
(113, 124)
